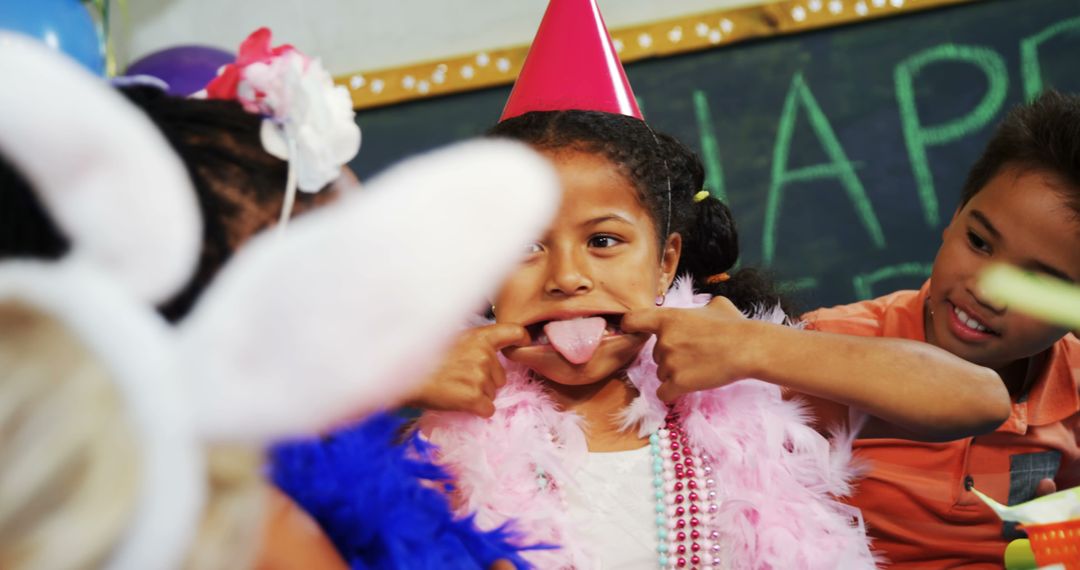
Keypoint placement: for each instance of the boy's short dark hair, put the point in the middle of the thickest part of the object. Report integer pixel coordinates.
(1042, 135)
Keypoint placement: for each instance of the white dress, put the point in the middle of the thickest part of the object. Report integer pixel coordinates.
(612, 500)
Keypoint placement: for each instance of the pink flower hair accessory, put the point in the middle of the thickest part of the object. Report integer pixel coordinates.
(309, 121)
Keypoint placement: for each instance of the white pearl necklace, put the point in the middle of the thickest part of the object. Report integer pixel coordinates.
(682, 542)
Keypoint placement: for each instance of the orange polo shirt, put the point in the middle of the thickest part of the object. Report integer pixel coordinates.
(915, 499)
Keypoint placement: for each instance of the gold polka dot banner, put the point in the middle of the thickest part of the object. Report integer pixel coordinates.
(678, 35)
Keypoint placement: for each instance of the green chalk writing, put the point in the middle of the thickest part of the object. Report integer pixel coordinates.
(839, 167)
(864, 282)
(795, 285)
(1030, 68)
(710, 149)
(918, 137)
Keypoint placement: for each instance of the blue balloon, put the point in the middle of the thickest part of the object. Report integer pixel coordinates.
(64, 25)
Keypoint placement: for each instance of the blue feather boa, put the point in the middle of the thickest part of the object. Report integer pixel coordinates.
(374, 499)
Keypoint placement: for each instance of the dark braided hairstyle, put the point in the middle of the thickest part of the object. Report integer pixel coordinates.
(238, 184)
(240, 187)
(667, 176)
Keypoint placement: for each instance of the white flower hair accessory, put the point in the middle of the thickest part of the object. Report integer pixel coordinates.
(328, 342)
(309, 121)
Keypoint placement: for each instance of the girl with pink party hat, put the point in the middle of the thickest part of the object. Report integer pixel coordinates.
(592, 420)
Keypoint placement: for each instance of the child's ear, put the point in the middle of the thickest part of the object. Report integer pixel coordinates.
(669, 260)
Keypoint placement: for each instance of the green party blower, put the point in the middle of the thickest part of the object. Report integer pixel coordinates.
(1040, 296)
(1052, 522)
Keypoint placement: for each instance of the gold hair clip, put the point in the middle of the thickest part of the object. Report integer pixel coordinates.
(718, 278)
(701, 195)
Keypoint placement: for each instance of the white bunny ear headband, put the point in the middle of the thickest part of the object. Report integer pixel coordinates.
(367, 289)
(333, 319)
(103, 171)
(308, 120)
(134, 345)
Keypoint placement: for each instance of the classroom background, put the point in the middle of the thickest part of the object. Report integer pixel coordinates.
(839, 131)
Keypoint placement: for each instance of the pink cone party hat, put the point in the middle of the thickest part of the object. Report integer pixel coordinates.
(572, 65)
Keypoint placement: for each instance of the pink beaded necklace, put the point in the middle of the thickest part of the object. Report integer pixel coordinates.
(683, 542)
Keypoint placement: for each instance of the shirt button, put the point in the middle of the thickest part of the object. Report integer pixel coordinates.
(969, 482)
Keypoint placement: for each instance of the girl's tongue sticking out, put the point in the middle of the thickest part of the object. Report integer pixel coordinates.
(576, 339)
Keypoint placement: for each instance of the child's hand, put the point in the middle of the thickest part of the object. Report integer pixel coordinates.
(696, 349)
(470, 373)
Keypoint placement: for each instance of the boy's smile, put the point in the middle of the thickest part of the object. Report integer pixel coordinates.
(599, 258)
(1020, 218)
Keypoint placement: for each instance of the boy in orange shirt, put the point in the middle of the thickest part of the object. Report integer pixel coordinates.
(1020, 205)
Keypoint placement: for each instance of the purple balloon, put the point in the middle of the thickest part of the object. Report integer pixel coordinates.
(187, 69)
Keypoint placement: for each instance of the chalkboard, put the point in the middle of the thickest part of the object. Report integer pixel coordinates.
(840, 151)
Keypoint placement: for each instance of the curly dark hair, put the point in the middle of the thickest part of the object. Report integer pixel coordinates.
(1041, 135)
(667, 176)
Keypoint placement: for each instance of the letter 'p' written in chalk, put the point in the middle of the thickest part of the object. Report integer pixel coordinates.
(918, 137)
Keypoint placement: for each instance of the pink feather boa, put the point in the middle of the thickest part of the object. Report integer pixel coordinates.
(778, 477)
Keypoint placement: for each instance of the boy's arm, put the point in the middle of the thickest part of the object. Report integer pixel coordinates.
(913, 389)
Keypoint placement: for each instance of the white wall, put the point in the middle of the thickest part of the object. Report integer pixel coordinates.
(364, 35)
